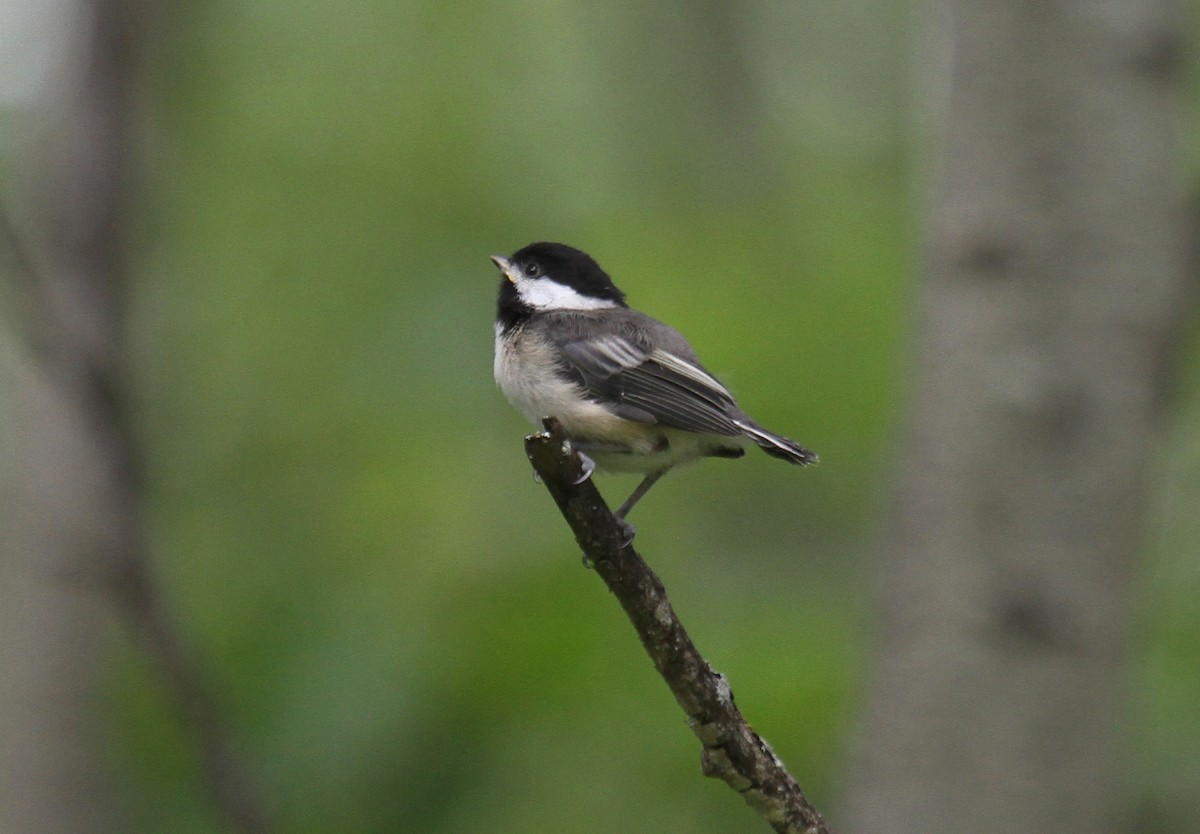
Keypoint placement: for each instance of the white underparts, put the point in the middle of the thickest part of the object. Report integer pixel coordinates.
(522, 370)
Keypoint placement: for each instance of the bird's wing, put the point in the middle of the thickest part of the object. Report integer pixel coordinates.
(651, 386)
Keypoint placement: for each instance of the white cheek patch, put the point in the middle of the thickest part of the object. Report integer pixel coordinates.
(544, 294)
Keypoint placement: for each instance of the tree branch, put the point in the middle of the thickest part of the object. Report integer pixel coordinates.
(731, 750)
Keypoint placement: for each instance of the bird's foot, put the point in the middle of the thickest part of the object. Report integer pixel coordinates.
(589, 466)
(628, 531)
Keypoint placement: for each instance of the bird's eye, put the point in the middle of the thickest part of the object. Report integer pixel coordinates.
(532, 270)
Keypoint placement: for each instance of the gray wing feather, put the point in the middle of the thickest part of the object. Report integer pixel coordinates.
(651, 386)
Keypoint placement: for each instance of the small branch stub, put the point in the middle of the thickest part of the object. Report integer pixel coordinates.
(732, 751)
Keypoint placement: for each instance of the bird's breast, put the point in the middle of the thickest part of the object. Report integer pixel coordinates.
(526, 372)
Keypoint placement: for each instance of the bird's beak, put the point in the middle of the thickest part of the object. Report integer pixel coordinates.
(506, 267)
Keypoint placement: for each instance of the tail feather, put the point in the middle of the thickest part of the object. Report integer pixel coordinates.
(776, 446)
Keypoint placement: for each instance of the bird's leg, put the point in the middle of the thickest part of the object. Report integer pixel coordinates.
(626, 528)
(637, 494)
(582, 447)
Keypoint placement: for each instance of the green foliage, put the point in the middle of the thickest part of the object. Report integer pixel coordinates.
(393, 610)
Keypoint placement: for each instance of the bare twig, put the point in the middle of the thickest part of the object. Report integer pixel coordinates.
(731, 750)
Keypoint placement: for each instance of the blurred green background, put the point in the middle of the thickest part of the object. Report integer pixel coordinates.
(394, 612)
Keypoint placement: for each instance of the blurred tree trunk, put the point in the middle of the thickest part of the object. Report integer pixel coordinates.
(71, 528)
(56, 518)
(68, 526)
(1053, 293)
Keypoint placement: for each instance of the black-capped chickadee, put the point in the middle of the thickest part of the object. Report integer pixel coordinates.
(628, 390)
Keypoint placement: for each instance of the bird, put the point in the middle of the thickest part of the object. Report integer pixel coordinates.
(628, 390)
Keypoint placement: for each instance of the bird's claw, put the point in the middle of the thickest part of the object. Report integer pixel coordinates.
(628, 531)
(589, 466)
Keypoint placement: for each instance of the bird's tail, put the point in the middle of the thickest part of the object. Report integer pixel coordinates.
(776, 446)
